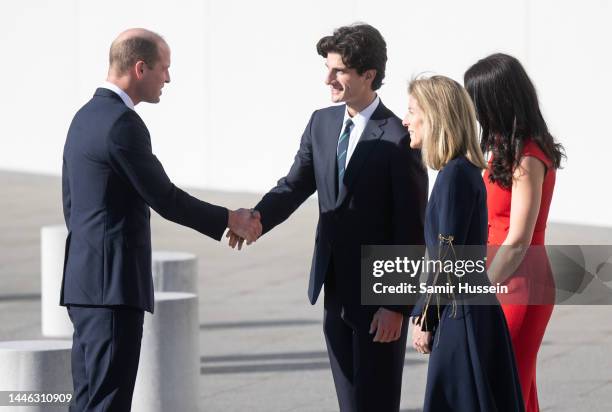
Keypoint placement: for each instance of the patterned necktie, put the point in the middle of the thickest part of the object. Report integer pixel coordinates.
(343, 143)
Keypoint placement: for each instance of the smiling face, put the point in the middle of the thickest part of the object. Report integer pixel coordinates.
(414, 121)
(346, 85)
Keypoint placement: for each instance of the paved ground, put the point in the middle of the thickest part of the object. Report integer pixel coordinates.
(261, 343)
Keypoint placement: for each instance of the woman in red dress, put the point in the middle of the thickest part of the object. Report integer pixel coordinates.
(523, 158)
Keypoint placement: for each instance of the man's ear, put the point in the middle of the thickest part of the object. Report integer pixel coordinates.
(139, 69)
(370, 74)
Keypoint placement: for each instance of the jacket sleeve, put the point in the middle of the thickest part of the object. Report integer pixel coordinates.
(455, 205)
(293, 189)
(409, 183)
(131, 156)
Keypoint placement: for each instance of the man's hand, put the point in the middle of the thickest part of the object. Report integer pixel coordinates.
(387, 325)
(243, 224)
(421, 340)
(234, 240)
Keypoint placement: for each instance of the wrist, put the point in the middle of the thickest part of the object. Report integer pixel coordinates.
(231, 217)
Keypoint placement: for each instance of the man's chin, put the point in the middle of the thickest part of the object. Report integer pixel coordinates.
(337, 98)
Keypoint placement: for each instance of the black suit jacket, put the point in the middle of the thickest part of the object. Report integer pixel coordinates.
(110, 178)
(381, 199)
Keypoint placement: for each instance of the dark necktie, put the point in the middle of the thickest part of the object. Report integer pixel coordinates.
(341, 152)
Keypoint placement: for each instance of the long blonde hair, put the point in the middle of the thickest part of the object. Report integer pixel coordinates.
(449, 124)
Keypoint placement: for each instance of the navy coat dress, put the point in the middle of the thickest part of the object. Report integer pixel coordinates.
(471, 366)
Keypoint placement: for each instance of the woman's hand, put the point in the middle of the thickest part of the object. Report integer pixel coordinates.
(421, 340)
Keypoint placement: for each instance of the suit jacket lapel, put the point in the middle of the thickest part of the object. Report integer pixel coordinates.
(369, 138)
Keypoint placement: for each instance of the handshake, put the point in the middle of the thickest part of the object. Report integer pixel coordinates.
(243, 224)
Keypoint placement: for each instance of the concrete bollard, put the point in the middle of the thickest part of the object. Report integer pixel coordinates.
(54, 318)
(175, 272)
(38, 365)
(169, 363)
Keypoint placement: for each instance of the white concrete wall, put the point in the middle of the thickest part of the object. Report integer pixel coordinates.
(246, 77)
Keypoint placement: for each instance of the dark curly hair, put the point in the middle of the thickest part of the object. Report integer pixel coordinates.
(362, 48)
(509, 113)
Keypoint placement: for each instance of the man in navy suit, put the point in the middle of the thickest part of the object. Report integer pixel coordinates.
(110, 178)
(372, 189)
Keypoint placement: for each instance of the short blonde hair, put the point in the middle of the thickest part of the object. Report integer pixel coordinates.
(449, 124)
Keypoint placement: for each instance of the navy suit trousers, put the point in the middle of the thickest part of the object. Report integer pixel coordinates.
(105, 354)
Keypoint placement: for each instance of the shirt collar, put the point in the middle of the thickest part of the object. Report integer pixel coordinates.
(363, 116)
(124, 96)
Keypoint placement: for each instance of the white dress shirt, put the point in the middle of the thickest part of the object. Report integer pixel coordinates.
(124, 96)
(360, 120)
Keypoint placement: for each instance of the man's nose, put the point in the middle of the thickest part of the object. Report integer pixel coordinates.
(329, 78)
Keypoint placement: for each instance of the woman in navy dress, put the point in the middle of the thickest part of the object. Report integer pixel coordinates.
(471, 366)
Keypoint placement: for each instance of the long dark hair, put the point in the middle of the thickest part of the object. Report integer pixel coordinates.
(509, 113)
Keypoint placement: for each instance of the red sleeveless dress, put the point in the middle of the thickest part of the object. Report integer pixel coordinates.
(526, 322)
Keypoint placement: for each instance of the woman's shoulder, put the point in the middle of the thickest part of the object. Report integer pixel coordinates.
(532, 149)
(460, 168)
(460, 172)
